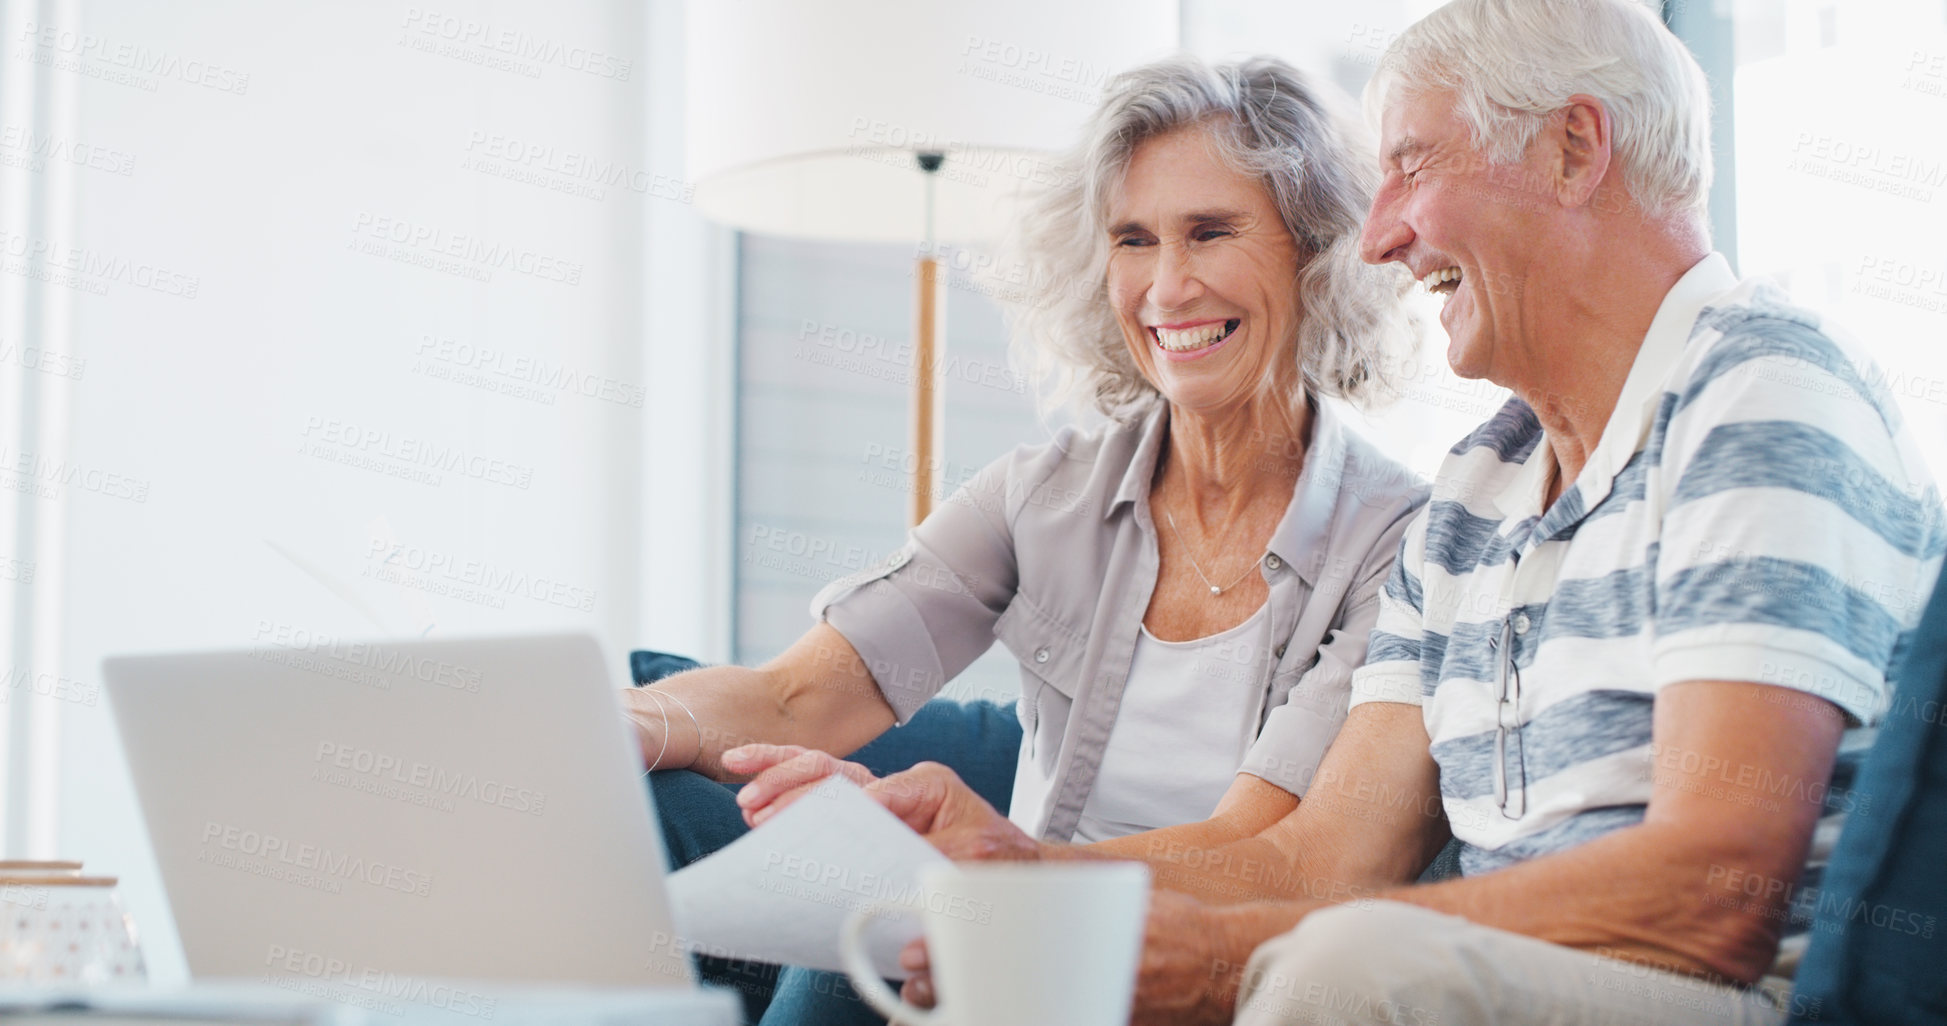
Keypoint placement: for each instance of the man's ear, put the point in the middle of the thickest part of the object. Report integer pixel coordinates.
(1582, 131)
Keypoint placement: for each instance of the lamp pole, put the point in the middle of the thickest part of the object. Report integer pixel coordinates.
(928, 424)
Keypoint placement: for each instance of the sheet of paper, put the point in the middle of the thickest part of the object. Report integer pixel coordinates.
(781, 892)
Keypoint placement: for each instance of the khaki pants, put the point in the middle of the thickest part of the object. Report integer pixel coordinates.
(1395, 964)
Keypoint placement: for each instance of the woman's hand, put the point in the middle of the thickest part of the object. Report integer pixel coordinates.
(784, 774)
(937, 804)
(929, 798)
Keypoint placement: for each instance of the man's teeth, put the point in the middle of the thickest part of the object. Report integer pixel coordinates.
(1435, 279)
(1192, 338)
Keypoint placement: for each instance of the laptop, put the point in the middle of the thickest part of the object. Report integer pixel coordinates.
(379, 816)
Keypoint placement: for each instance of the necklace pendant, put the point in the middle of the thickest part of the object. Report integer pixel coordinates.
(1214, 590)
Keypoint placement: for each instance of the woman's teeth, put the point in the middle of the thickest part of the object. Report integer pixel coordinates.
(1443, 281)
(1188, 339)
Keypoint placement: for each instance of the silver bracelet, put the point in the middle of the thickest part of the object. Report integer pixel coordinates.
(693, 721)
(661, 708)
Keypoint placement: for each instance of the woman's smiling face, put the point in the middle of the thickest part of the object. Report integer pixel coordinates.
(1202, 273)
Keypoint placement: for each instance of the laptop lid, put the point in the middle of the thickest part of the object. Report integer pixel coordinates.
(420, 809)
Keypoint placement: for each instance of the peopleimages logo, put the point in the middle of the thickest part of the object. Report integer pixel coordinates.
(330, 438)
(34, 150)
(45, 476)
(506, 156)
(515, 369)
(441, 572)
(46, 361)
(811, 879)
(380, 659)
(422, 243)
(90, 269)
(438, 781)
(516, 44)
(75, 51)
(290, 968)
(47, 685)
(253, 851)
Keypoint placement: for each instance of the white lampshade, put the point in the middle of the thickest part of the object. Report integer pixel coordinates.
(805, 117)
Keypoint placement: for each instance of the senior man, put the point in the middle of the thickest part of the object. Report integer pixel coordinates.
(1621, 646)
(1649, 594)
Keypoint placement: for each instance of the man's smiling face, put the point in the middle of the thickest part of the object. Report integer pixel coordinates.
(1464, 227)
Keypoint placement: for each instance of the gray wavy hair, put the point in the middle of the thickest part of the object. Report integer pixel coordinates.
(1263, 118)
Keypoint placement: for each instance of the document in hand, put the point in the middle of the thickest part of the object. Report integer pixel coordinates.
(781, 892)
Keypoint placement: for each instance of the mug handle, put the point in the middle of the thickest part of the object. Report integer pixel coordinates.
(865, 978)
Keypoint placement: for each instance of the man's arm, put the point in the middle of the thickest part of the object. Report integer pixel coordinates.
(1371, 819)
(1698, 887)
(1702, 883)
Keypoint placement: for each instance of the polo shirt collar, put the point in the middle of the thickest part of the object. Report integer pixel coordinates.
(1301, 535)
(1635, 412)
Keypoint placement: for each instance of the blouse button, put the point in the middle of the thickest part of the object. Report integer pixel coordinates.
(1279, 651)
(1272, 562)
(1521, 623)
(1040, 655)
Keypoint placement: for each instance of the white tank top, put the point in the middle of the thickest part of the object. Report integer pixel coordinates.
(1189, 714)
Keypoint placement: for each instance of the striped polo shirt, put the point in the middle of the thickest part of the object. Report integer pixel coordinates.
(1754, 511)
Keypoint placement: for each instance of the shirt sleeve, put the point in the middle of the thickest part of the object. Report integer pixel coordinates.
(1392, 671)
(1799, 536)
(1297, 733)
(928, 611)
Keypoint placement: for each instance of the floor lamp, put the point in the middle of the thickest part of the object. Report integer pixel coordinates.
(897, 121)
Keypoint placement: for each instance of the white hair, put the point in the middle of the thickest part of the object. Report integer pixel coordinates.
(1265, 120)
(1512, 63)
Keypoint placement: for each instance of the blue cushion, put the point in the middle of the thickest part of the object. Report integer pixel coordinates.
(1878, 952)
(649, 667)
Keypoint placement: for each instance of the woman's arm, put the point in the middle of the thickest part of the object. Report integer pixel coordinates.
(903, 629)
(817, 694)
(1177, 854)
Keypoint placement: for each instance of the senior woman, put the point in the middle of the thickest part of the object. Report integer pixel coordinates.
(1187, 586)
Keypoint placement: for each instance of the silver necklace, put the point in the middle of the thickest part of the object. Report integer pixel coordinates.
(1214, 589)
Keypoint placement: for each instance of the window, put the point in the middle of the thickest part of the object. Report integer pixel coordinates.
(1841, 179)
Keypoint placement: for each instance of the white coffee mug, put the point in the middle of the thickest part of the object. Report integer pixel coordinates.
(1017, 944)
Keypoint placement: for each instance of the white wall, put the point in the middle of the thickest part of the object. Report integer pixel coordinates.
(283, 381)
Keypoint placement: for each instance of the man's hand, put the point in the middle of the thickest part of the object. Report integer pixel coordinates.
(918, 989)
(1187, 977)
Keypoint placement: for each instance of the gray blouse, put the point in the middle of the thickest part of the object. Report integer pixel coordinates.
(1051, 550)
